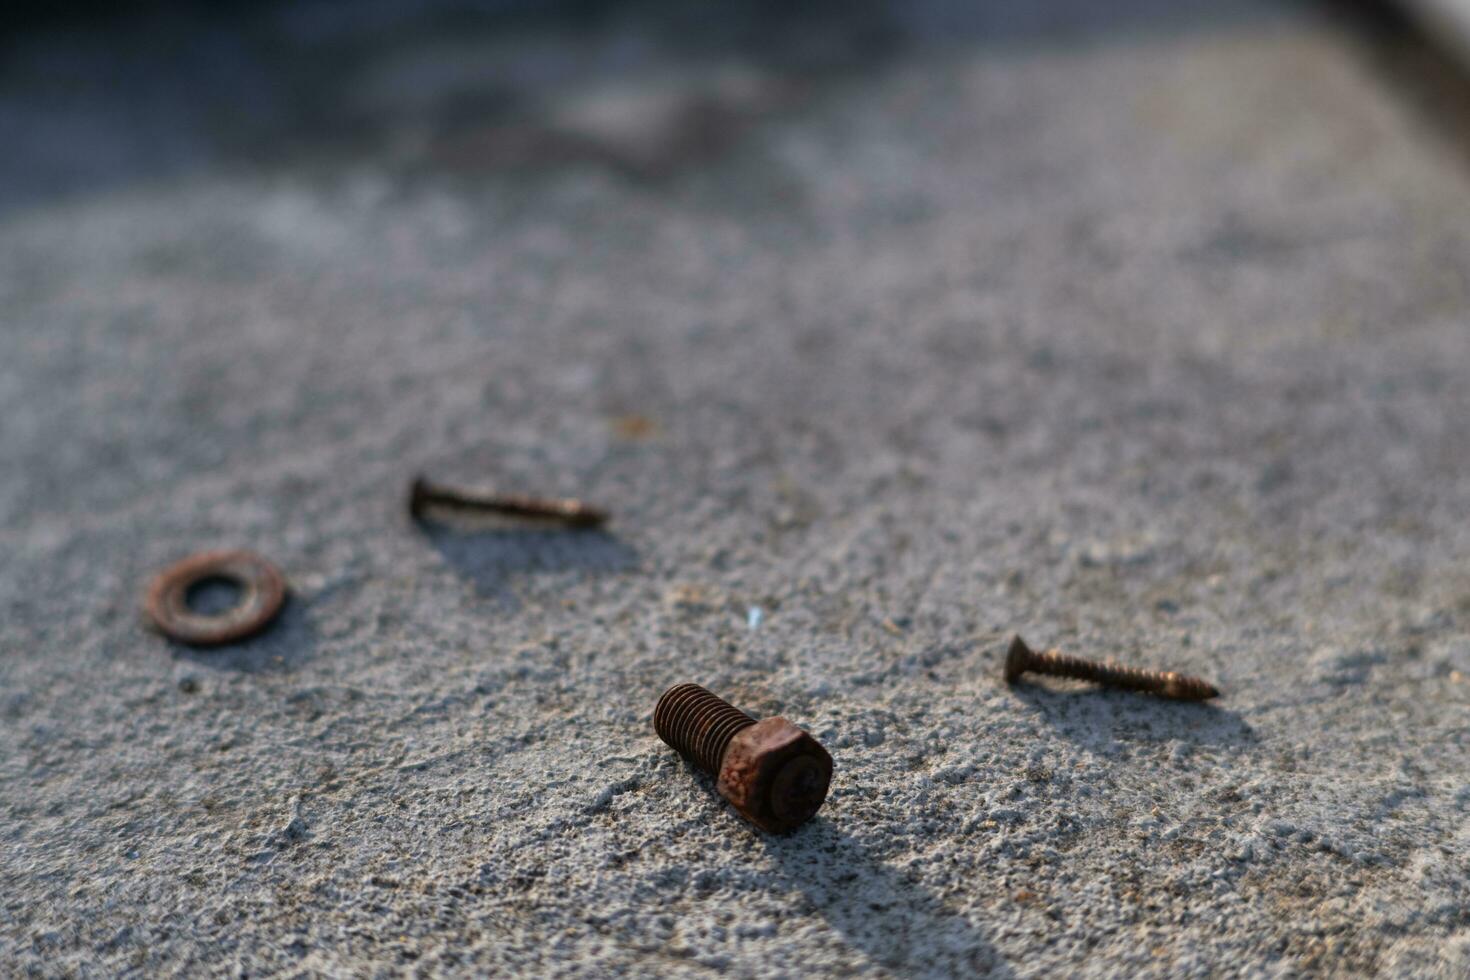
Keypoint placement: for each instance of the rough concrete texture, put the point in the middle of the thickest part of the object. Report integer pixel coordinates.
(1139, 329)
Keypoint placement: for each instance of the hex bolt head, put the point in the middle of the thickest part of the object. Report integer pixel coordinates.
(772, 772)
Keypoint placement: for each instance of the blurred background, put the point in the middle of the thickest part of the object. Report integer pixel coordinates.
(391, 188)
(101, 94)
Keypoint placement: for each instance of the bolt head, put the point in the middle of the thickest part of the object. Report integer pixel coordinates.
(1018, 659)
(775, 774)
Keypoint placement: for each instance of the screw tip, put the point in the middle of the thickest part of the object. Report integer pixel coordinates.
(1185, 688)
(1018, 659)
(583, 516)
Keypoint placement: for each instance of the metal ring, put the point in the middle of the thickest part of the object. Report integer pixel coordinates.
(262, 588)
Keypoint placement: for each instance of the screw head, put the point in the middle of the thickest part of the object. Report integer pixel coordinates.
(418, 497)
(775, 774)
(1018, 659)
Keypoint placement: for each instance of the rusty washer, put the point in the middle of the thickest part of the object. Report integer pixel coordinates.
(262, 589)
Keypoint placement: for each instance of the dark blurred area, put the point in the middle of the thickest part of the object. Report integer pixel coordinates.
(96, 93)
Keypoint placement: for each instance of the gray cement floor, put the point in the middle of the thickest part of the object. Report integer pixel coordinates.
(1139, 328)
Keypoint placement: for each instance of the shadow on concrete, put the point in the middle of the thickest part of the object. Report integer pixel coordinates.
(491, 558)
(1105, 720)
(894, 921)
(284, 645)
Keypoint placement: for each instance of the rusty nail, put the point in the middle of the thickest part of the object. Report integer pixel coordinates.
(1165, 683)
(424, 495)
(775, 774)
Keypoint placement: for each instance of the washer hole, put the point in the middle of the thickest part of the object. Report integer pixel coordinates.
(214, 595)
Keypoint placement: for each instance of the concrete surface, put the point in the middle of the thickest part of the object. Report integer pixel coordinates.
(1140, 329)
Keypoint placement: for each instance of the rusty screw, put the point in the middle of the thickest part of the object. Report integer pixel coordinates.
(774, 773)
(1164, 683)
(424, 495)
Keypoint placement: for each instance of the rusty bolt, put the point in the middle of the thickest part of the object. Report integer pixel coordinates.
(1165, 683)
(424, 495)
(772, 772)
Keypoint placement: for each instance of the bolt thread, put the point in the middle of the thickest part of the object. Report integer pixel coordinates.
(698, 724)
(1166, 683)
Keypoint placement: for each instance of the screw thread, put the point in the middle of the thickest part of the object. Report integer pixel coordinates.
(698, 724)
(423, 495)
(1167, 683)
